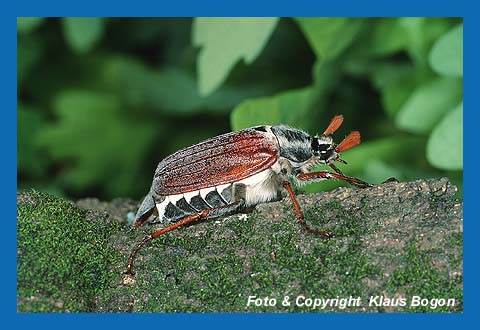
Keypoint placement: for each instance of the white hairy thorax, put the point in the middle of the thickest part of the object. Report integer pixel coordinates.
(261, 188)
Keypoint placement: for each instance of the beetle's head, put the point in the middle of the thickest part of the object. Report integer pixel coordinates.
(324, 147)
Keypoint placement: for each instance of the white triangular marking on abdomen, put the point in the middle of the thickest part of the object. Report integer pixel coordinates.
(175, 198)
(161, 207)
(204, 192)
(188, 196)
(220, 189)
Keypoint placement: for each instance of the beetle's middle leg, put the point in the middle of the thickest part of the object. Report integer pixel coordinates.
(289, 189)
(202, 215)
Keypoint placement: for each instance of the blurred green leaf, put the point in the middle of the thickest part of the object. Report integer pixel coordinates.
(445, 144)
(103, 145)
(384, 74)
(428, 104)
(395, 81)
(422, 32)
(29, 51)
(384, 36)
(326, 76)
(30, 161)
(172, 90)
(289, 108)
(446, 56)
(378, 171)
(143, 87)
(82, 33)
(394, 95)
(416, 44)
(225, 41)
(28, 24)
(328, 36)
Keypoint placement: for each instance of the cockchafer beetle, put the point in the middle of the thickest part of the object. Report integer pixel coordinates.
(233, 172)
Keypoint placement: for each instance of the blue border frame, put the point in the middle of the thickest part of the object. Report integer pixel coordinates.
(240, 8)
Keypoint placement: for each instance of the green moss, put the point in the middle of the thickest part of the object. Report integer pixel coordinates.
(68, 262)
(418, 277)
(63, 259)
(455, 249)
(209, 273)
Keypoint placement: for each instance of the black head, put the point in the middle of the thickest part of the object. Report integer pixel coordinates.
(324, 148)
(327, 151)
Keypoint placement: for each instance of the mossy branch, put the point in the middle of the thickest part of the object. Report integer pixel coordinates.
(393, 240)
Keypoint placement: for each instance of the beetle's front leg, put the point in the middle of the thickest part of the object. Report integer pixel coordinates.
(329, 175)
(289, 189)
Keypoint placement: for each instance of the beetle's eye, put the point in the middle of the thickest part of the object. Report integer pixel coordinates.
(326, 154)
(320, 148)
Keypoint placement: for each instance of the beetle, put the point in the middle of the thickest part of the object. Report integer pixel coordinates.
(233, 172)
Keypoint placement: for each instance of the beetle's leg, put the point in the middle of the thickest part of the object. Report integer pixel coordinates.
(202, 215)
(148, 238)
(145, 216)
(288, 187)
(392, 179)
(336, 169)
(155, 221)
(329, 175)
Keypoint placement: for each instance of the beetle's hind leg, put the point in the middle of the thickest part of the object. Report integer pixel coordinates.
(302, 221)
(202, 215)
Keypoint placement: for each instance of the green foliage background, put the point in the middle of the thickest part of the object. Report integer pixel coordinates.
(102, 100)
